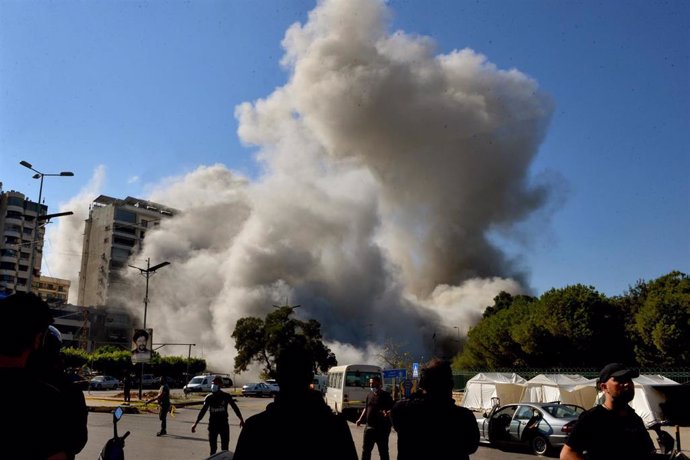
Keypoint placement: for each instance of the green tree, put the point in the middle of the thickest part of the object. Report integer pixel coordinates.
(491, 343)
(260, 340)
(662, 320)
(572, 327)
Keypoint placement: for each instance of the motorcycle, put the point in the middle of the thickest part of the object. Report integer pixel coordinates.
(114, 449)
(668, 446)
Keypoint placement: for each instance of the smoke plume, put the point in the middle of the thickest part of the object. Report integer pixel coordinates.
(385, 166)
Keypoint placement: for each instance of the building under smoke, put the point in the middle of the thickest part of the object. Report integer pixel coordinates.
(114, 231)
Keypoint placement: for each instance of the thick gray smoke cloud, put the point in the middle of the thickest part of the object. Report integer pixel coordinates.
(385, 167)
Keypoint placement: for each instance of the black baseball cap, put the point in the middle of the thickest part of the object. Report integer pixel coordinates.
(617, 370)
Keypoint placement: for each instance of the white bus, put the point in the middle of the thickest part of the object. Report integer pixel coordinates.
(348, 386)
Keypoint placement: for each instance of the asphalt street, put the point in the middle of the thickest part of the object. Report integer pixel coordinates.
(182, 444)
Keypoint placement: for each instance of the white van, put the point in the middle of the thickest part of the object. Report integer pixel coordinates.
(348, 386)
(202, 383)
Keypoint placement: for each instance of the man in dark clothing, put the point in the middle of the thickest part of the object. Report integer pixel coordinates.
(430, 425)
(163, 398)
(612, 429)
(127, 388)
(217, 404)
(47, 364)
(298, 424)
(31, 420)
(376, 416)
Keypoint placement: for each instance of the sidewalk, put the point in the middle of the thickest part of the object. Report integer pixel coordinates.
(97, 403)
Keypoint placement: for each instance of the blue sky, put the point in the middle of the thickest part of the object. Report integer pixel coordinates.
(149, 89)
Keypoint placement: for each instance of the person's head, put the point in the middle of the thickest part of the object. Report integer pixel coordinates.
(47, 358)
(437, 379)
(141, 338)
(294, 369)
(216, 383)
(26, 318)
(375, 383)
(615, 382)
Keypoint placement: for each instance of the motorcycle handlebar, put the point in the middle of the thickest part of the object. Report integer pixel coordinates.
(125, 435)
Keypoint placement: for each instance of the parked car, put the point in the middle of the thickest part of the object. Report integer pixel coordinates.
(104, 382)
(149, 381)
(542, 427)
(202, 383)
(256, 389)
(273, 385)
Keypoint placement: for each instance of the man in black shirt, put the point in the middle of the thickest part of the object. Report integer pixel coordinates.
(613, 429)
(217, 404)
(376, 416)
(430, 424)
(31, 420)
(163, 399)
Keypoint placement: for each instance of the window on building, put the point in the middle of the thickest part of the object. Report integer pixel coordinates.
(125, 216)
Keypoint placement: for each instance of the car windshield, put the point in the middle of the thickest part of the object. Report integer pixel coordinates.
(564, 410)
(197, 380)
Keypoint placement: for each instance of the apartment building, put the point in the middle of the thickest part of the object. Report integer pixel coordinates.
(89, 328)
(52, 290)
(114, 231)
(20, 234)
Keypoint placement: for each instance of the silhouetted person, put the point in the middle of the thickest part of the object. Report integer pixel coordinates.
(216, 403)
(31, 420)
(430, 425)
(612, 429)
(127, 388)
(163, 399)
(47, 364)
(376, 417)
(298, 424)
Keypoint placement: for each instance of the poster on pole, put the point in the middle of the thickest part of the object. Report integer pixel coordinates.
(142, 343)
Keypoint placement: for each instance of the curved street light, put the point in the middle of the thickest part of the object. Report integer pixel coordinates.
(39, 175)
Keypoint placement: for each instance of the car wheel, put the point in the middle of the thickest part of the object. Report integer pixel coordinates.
(539, 445)
(98, 386)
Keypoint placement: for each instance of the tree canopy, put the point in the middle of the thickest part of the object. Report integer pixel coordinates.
(576, 326)
(260, 340)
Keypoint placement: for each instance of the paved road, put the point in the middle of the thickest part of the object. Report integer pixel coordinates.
(182, 444)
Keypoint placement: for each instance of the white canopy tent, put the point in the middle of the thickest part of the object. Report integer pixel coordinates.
(568, 389)
(481, 388)
(648, 399)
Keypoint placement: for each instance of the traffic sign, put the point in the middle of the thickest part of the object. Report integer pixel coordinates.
(415, 370)
(399, 374)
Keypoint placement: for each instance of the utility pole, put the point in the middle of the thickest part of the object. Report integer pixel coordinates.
(146, 272)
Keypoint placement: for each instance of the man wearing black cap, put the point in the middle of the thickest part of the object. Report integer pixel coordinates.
(32, 422)
(612, 429)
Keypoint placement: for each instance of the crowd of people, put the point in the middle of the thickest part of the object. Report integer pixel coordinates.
(428, 424)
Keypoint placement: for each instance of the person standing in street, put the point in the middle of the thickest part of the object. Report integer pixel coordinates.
(430, 424)
(32, 424)
(299, 423)
(611, 429)
(216, 403)
(376, 417)
(127, 387)
(163, 399)
(47, 364)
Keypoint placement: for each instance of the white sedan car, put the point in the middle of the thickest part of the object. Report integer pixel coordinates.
(104, 382)
(256, 389)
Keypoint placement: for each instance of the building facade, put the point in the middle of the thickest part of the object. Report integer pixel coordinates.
(21, 234)
(114, 231)
(52, 290)
(91, 327)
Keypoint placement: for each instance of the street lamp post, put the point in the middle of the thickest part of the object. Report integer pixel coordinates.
(147, 273)
(38, 175)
